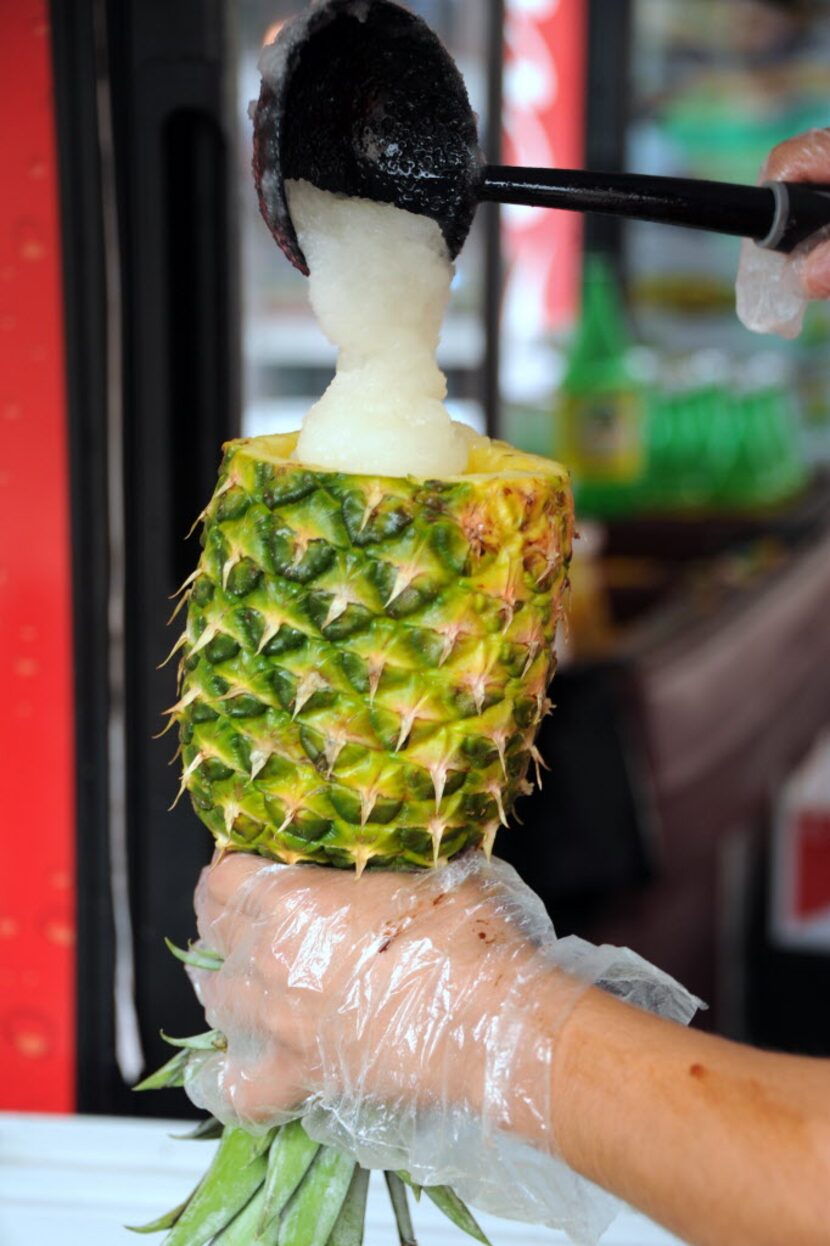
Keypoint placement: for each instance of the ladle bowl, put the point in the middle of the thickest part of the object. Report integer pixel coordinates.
(361, 98)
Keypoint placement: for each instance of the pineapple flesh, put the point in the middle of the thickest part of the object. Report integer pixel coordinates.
(366, 658)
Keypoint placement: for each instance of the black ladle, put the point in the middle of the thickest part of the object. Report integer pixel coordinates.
(361, 98)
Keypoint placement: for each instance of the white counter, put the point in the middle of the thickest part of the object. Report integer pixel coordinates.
(76, 1181)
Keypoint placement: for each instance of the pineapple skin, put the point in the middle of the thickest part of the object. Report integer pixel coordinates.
(366, 660)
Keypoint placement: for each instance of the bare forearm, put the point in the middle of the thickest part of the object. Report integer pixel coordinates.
(719, 1142)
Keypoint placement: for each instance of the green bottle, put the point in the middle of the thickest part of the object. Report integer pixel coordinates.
(600, 410)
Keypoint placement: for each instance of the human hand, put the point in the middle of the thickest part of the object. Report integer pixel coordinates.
(410, 1019)
(805, 158)
(773, 289)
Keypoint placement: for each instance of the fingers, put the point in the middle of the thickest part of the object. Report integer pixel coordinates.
(247, 1093)
(224, 876)
(815, 272)
(230, 895)
(805, 158)
(234, 999)
(264, 1091)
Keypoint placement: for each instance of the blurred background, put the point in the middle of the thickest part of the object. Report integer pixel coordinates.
(146, 316)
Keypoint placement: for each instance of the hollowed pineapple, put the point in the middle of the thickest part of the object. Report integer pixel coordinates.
(366, 659)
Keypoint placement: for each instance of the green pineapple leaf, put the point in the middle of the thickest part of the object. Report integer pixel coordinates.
(198, 957)
(351, 1222)
(447, 1201)
(163, 1222)
(289, 1159)
(211, 1040)
(234, 1177)
(207, 1130)
(416, 1189)
(169, 1075)
(400, 1206)
(313, 1211)
(242, 1230)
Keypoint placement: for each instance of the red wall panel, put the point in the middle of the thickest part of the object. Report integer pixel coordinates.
(36, 730)
(544, 123)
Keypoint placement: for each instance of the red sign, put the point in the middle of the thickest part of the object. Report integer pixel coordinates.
(801, 856)
(544, 120)
(812, 835)
(37, 964)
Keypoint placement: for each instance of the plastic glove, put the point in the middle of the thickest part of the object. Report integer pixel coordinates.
(773, 289)
(410, 1019)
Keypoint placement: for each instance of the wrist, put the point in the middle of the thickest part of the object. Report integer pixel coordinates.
(502, 1070)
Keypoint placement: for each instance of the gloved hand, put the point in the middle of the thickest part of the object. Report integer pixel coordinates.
(410, 1019)
(773, 289)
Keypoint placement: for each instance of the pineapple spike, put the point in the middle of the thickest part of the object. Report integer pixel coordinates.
(403, 578)
(532, 650)
(237, 689)
(186, 773)
(373, 500)
(368, 800)
(228, 565)
(291, 858)
(183, 600)
(436, 827)
(450, 635)
(339, 605)
(270, 630)
(259, 759)
(171, 722)
(546, 707)
(494, 789)
(525, 789)
(189, 697)
(211, 630)
(490, 832)
(376, 669)
(306, 688)
(407, 723)
(291, 807)
(500, 741)
(227, 483)
(203, 514)
(225, 848)
(438, 771)
(478, 689)
(185, 584)
(229, 813)
(539, 762)
(180, 643)
(361, 854)
(332, 749)
(301, 541)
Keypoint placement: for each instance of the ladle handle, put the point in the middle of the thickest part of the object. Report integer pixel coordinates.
(778, 215)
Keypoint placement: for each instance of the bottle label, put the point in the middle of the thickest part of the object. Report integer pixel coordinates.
(602, 436)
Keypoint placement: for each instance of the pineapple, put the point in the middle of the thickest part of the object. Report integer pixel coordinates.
(368, 647)
(364, 668)
(366, 659)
